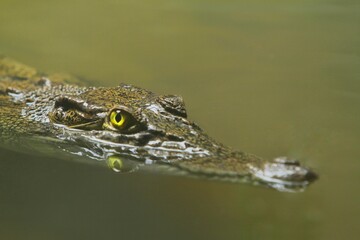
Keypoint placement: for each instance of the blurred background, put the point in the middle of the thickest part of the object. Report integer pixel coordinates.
(272, 78)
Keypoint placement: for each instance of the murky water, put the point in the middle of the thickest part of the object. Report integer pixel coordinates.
(272, 78)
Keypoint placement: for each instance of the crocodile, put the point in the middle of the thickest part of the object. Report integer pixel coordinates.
(129, 128)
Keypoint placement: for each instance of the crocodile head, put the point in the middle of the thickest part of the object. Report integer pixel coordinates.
(132, 122)
(135, 121)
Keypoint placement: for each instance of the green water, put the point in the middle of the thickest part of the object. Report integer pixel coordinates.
(272, 78)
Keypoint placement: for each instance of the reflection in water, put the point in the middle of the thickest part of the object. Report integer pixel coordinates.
(121, 165)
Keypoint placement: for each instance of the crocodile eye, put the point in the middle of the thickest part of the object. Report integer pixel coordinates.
(119, 118)
(122, 121)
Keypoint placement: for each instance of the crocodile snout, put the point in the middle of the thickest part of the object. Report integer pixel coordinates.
(288, 174)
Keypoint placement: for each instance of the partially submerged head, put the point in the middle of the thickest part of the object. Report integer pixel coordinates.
(133, 122)
(127, 117)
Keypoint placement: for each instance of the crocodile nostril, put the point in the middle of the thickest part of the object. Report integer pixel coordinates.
(311, 176)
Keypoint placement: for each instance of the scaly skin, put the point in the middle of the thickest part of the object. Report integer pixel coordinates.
(157, 133)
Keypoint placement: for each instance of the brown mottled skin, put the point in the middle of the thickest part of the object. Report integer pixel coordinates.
(34, 104)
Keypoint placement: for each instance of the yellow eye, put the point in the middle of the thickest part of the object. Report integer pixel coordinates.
(118, 119)
(123, 121)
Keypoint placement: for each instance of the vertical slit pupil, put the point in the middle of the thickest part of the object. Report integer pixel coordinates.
(118, 117)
